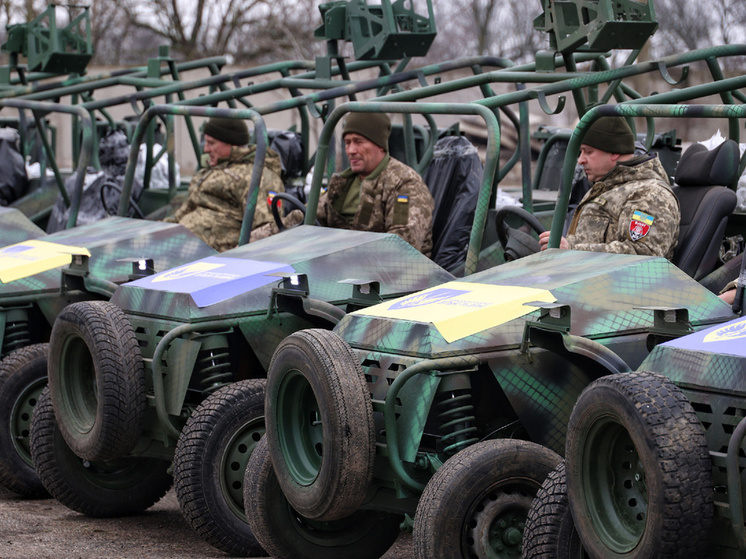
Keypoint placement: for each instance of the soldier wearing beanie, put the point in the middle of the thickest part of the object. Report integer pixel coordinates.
(630, 207)
(377, 192)
(217, 196)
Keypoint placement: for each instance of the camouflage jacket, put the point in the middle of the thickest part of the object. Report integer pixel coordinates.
(632, 210)
(396, 201)
(216, 201)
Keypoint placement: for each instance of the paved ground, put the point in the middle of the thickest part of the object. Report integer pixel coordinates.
(44, 529)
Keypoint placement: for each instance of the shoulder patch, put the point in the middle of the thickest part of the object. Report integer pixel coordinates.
(640, 224)
(402, 199)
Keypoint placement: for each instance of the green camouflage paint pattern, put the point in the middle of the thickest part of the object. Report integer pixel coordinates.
(605, 291)
(38, 299)
(16, 227)
(111, 239)
(534, 391)
(715, 385)
(327, 256)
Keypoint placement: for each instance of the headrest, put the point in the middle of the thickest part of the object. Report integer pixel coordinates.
(702, 167)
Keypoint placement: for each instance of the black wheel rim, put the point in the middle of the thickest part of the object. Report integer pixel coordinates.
(495, 525)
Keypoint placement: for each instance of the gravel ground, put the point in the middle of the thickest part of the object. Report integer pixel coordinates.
(44, 529)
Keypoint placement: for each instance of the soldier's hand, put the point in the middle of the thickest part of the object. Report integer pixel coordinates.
(544, 241)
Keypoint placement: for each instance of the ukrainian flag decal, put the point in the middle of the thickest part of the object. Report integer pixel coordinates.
(402, 199)
(270, 196)
(639, 227)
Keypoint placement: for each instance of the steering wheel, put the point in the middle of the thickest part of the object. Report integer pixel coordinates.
(113, 210)
(291, 200)
(517, 243)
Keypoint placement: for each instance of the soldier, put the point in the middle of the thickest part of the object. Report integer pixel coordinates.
(377, 192)
(216, 201)
(630, 207)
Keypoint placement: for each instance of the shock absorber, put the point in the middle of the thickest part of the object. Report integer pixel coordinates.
(17, 334)
(455, 414)
(213, 368)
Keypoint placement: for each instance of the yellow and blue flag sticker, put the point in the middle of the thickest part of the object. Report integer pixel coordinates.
(458, 310)
(215, 278)
(728, 338)
(402, 199)
(31, 257)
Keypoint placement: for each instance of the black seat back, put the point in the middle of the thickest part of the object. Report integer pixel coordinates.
(454, 177)
(706, 204)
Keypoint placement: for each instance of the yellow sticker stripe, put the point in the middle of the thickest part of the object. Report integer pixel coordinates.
(459, 310)
(25, 259)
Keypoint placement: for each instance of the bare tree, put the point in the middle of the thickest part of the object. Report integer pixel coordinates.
(288, 32)
(110, 31)
(198, 28)
(486, 27)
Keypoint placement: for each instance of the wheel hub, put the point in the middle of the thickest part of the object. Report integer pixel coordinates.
(498, 523)
(21, 419)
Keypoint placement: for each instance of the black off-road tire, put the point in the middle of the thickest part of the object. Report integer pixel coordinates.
(97, 380)
(477, 502)
(210, 463)
(118, 487)
(320, 427)
(550, 531)
(23, 375)
(639, 476)
(285, 534)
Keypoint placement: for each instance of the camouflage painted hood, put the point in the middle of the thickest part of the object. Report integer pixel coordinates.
(488, 310)
(240, 281)
(110, 241)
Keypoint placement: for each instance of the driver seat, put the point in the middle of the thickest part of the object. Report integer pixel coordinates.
(705, 203)
(454, 178)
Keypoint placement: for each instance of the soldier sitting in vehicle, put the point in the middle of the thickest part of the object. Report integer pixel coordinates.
(377, 192)
(215, 205)
(630, 207)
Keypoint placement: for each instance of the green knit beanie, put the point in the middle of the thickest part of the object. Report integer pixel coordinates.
(229, 130)
(374, 126)
(611, 134)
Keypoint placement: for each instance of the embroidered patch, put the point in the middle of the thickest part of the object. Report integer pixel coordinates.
(640, 225)
(270, 196)
(401, 209)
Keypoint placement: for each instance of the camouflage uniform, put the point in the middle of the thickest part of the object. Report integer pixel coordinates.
(632, 210)
(394, 201)
(215, 205)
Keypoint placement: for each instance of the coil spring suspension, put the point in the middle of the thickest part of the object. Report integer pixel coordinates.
(17, 334)
(455, 414)
(213, 369)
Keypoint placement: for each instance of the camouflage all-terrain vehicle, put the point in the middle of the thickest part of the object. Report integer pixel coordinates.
(40, 277)
(445, 410)
(196, 383)
(654, 458)
(186, 385)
